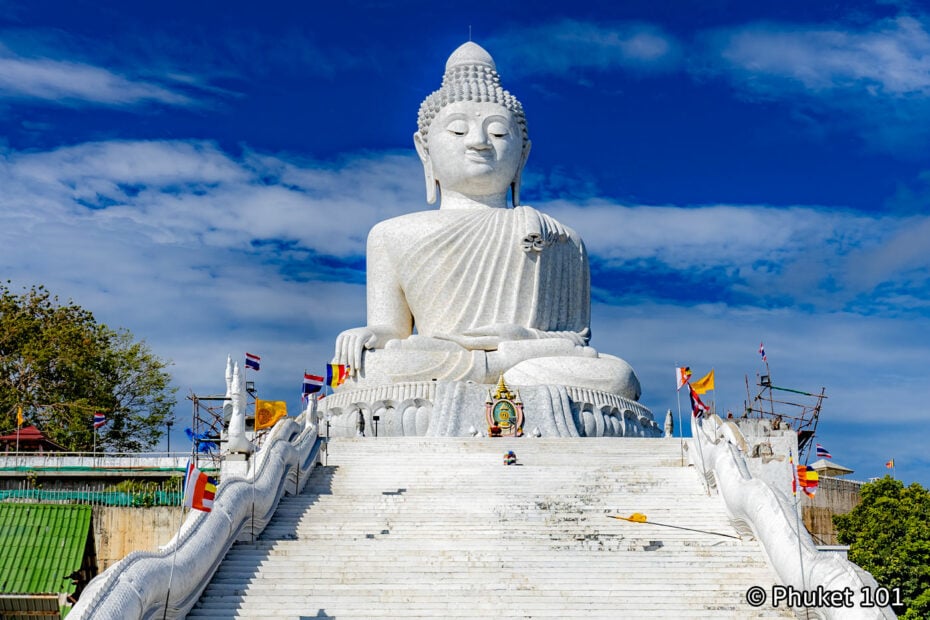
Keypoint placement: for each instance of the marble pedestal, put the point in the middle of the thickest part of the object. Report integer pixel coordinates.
(457, 409)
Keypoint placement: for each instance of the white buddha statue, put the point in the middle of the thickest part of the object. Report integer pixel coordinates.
(476, 289)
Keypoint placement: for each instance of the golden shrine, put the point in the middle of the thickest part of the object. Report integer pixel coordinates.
(504, 412)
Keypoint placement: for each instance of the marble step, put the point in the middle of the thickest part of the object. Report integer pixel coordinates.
(424, 528)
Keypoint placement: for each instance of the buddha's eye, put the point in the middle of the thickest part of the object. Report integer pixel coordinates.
(498, 130)
(457, 127)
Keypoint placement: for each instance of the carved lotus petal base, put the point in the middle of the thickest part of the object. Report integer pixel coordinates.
(456, 408)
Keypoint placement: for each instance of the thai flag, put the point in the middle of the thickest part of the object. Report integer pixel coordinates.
(697, 405)
(253, 361)
(99, 420)
(762, 352)
(823, 453)
(312, 383)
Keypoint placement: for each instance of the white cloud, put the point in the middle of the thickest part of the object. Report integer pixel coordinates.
(804, 255)
(904, 253)
(875, 79)
(562, 47)
(192, 193)
(73, 83)
(890, 58)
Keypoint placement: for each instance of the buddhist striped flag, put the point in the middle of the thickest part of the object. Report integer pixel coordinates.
(808, 479)
(682, 376)
(199, 489)
(336, 374)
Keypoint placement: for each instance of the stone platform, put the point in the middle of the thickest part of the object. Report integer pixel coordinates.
(457, 409)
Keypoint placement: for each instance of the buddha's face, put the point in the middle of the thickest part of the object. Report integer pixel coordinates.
(475, 148)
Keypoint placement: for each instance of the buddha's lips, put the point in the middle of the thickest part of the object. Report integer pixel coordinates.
(479, 158)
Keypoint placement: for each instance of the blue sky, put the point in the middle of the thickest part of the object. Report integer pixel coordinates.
(206, 175)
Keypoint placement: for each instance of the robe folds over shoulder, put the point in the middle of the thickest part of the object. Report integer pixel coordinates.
(486, 266)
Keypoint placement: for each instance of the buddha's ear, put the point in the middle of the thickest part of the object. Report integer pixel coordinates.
(515, 185)
(423, 152)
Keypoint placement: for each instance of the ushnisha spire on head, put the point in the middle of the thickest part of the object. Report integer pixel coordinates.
(471, 75)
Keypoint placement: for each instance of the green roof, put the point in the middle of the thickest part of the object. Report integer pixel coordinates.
(40, 544)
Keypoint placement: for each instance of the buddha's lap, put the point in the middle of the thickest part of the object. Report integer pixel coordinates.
(532, 362)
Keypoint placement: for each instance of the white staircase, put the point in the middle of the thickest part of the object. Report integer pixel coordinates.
(440, 528)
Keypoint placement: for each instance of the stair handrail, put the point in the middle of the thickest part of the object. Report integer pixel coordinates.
(137, 587)
(758, 509)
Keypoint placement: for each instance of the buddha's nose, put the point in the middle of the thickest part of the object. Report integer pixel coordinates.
(477, 139)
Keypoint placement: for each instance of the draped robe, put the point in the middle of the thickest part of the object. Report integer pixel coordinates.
(464, 269)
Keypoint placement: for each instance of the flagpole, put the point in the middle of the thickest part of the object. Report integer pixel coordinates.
(177, 537)
(19, 425)
(697, 440)
(174, 555)
(250, 463)
(681, 428)
(797, 516)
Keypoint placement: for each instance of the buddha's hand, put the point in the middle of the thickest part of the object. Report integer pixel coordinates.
(489, 337)
(351, 343)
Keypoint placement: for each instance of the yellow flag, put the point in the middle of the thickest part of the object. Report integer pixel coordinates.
(704, 384)
(267, 412)
(19, 416)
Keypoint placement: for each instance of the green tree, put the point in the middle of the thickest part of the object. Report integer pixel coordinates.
(889, 536)
(61, 366)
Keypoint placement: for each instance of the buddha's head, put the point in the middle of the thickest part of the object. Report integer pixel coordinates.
(472, 136)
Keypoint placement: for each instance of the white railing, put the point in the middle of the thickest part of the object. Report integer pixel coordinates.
(90, 460)
(137, 587)
(756, 508)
